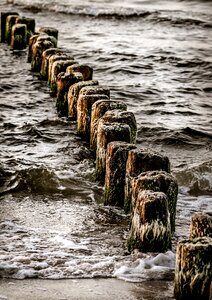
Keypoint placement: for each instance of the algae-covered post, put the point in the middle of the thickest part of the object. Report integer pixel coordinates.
(30, 24)
(58, 67)
(193, 272)
(157, 181)
(201, 225)
(150, 226)
(4, 16)
(41, 44)
(142, 160)
(64, 81)
(99, 108)
(84, 106)
(73, 95)
(45, 61)
(106, 133)
(87, 71)
(116, 158)
(10, 21)
(49, 31)
(19, 37)
(52, 59)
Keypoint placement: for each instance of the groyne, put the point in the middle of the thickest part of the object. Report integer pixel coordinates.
(138, 180)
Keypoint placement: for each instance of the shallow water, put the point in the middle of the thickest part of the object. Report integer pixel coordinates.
(156, 57)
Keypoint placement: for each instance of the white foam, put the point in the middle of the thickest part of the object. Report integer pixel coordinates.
(158, 267)
(68, 243)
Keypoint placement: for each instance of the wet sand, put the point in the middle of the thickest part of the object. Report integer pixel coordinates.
(104, 289)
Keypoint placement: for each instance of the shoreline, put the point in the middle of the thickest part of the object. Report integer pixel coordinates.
(84, 289)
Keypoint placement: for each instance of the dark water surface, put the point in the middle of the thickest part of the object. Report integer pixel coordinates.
(154, 56)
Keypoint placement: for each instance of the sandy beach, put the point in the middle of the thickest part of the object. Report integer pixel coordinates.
(83, 289)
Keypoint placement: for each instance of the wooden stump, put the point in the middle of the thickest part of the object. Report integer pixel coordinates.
(50, 31)
(106, 133)
(32, 40)
(42, 43)
(58, 67)
(84, 106)
(116, 158)
(52, 59)
(193, 272)
(142, 160)
(125, 117)
(64, 81)
(45, 61)
(201, 225)
(73, 95)
(10, 21)
(99, 108)
(30, 23)
(157, 181)
(150, 226)
(85, 70)
(4, 16)
(19, 37)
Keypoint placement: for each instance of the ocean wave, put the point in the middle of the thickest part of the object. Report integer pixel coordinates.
(118, 12)
(197, 179)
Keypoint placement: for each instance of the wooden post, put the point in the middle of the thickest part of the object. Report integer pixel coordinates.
(4, 16)
(87, 72)
(157, 181)
(64, 81)
(58, 67)
(99, 108)
(50, 31)
(73, 95)
(106, 133)
(116, 158)
(201, 225)
(193, 272)
(19, 37)
(30, 23)
(142, 160)
(53, 58)
(42, 43)
(120, 116)
(45, 61)
(150, 226)
(10, 21)
(32, 40)
(84, 105)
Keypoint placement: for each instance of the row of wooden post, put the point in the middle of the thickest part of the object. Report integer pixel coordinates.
(136, 179)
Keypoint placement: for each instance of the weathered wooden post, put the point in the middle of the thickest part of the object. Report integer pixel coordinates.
(120, 116)
(150, 225)
(106, 133)
(58, 67)
(193, 272)
(53, 58)
(64, 81)
(4, 16)
(30, 23)
(10, 21)
(142, 160)
(32, 40)
(84, 105)
(19, 37)
(116, 158)
(73, 95)
(157, 181)
(85, 70)
(42, 43)
(45, 61)
(49, 31)
(201, 225)
(99, 108)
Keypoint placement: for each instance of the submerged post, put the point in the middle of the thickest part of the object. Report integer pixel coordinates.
(99, 108)
(19, 37)
(150, 226)
(193, 272)
(116, 158)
